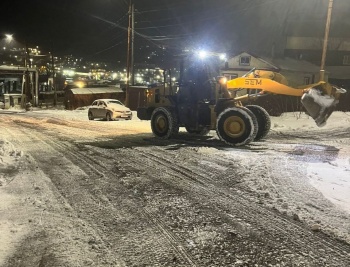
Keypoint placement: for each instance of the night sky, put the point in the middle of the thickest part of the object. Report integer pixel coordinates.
(96, 29)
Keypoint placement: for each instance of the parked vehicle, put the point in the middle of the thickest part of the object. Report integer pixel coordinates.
(109, 109)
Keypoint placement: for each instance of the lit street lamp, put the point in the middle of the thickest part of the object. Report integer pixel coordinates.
(9, 37)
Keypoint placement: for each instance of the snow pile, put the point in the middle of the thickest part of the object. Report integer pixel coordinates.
(300, 120)
(9, 157)
(8, 153)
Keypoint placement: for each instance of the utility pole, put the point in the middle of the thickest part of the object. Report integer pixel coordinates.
(325, 41)
(26, 54)
(26, 96)
(132, 43)
(130, 52)
(53, 80)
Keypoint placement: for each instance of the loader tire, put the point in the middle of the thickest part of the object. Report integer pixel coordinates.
(264, 121)
(164, 123)
(236, 126)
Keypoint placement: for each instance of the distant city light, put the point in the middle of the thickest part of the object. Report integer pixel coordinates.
(80, 84)
(68, 73)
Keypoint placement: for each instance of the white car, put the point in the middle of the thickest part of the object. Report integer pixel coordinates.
(109, 109)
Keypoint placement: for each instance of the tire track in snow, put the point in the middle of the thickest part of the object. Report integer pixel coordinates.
(191, 181)
(93, 167)
(303, 238)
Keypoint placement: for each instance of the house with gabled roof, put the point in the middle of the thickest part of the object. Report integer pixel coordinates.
(297, 72)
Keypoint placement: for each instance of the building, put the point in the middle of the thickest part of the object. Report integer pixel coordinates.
(18, 86)
(297, 72)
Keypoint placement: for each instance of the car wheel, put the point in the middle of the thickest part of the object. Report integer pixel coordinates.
(91, 117)
(108, 116)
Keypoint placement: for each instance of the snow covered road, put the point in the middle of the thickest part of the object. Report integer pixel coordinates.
(96, 193)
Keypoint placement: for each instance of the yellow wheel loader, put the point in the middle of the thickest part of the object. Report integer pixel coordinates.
(201, 104)
(319, 99)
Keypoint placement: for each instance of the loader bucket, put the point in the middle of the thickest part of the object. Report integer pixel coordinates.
(319, 106)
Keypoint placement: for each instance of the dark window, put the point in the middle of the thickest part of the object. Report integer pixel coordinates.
(306, 80)
(157, 96)
(244, 60)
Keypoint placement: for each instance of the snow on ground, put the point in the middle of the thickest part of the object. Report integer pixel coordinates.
(299, 120)
(9, 156)
(331, 178)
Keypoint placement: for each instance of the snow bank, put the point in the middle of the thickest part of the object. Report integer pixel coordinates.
(9, 156)
(300, 120)
(8, 153)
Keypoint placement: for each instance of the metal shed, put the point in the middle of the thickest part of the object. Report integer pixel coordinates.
(82, 97)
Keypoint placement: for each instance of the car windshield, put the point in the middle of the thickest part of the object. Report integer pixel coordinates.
(115, 102)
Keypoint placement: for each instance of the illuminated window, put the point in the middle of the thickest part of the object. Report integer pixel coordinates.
(231, 76)
(244, 60)
(346, 60)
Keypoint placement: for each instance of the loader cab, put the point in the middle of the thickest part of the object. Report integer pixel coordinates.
(197, 82)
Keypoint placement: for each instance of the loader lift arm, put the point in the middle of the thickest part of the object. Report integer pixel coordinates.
(319, 99)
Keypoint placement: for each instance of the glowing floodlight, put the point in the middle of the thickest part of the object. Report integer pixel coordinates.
(202, 54)
(222, 56)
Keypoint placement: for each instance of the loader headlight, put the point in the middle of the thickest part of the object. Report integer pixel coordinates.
(223, 57)
(222, 80)
(202, 54)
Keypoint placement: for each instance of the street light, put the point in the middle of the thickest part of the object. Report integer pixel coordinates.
(9, 37)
